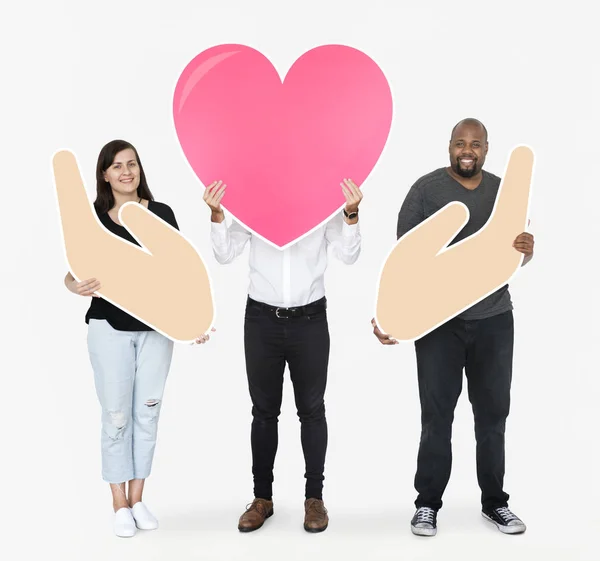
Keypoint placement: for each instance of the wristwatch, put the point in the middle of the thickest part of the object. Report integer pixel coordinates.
(351, 215)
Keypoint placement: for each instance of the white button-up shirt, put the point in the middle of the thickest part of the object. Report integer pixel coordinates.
(293, 276)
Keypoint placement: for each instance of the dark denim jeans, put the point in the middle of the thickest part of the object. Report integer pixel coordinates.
(484, 349)
(303, 343)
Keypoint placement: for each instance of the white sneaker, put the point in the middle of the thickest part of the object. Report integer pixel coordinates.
(144, 519)
(124, 523)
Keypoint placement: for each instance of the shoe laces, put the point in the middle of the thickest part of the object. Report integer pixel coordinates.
(258, 506)
(317, 506)
(506, 514)
(425, 514)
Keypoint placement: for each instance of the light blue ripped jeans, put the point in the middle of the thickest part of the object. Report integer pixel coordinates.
(130, 371)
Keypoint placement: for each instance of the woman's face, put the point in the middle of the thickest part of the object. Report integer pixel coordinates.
(124, 173)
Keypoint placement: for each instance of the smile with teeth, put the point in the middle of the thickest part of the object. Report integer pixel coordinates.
(127, 180)
(466, 161)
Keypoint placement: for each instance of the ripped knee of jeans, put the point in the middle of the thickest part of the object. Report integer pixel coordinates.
(117, 421)
(150, 410)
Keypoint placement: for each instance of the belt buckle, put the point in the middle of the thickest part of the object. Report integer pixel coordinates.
(283, 317)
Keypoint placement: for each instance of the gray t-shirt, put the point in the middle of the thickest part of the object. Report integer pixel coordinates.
(434, 191)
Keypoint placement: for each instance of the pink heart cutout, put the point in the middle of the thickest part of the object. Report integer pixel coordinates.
(282, 148)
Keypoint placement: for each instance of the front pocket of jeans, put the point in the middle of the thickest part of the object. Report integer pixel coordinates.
(252, 312)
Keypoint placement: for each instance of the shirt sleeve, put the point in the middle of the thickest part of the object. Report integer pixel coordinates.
(344, 239)
(228, 242)
(165, 212)
(412, 212)
(170, 217)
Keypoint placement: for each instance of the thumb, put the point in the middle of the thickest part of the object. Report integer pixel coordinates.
(432, 235)
(149, 230)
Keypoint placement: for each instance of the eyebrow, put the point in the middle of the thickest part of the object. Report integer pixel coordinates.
(122, 162)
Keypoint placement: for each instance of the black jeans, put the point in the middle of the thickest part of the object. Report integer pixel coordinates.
(484, 348)
(302, 342)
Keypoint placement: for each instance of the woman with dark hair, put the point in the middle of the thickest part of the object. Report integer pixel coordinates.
(130, 360)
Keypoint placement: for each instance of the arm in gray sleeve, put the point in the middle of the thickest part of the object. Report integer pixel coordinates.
(412, 212)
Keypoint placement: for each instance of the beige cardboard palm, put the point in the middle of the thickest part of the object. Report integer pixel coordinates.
(164, 283)
(424, 283)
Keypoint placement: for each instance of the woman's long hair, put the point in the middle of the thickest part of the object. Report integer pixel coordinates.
(105, 199)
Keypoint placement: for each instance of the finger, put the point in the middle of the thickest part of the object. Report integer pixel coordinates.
(87, 293)
(354, 189)
(217, 191)
(512, 203)
(89, 289)
(86, 283)
(523, 247)
(437, 231)
(381, 336)
(215, 200)
(209, 190)
(77, 216)
(150, 230)
(352, 198)
(347, 192)
(522, 237)
(206, 193)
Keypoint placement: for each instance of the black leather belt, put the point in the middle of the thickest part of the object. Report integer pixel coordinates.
(312, 308)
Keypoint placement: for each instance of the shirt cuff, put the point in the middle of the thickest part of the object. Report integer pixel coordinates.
(219, 228)
(350, 230)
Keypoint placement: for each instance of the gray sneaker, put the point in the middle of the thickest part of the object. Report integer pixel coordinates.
(505, 520)
(424, 522)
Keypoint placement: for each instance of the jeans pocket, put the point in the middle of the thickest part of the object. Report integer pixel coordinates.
(252, 312)
(317, 316)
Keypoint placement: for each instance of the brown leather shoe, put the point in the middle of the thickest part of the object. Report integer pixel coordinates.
(315, 518)
(255, 515)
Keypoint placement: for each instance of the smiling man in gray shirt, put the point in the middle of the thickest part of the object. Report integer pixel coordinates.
(479, 340)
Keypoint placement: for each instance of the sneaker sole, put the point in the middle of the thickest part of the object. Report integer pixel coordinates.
(146, 528)
(246, 530)
(506, 529)
(428, 532)
(125, 535)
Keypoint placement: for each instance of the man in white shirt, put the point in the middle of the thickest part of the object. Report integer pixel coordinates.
(286, 322)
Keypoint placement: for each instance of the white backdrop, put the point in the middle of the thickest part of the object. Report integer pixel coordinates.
(78, 74)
